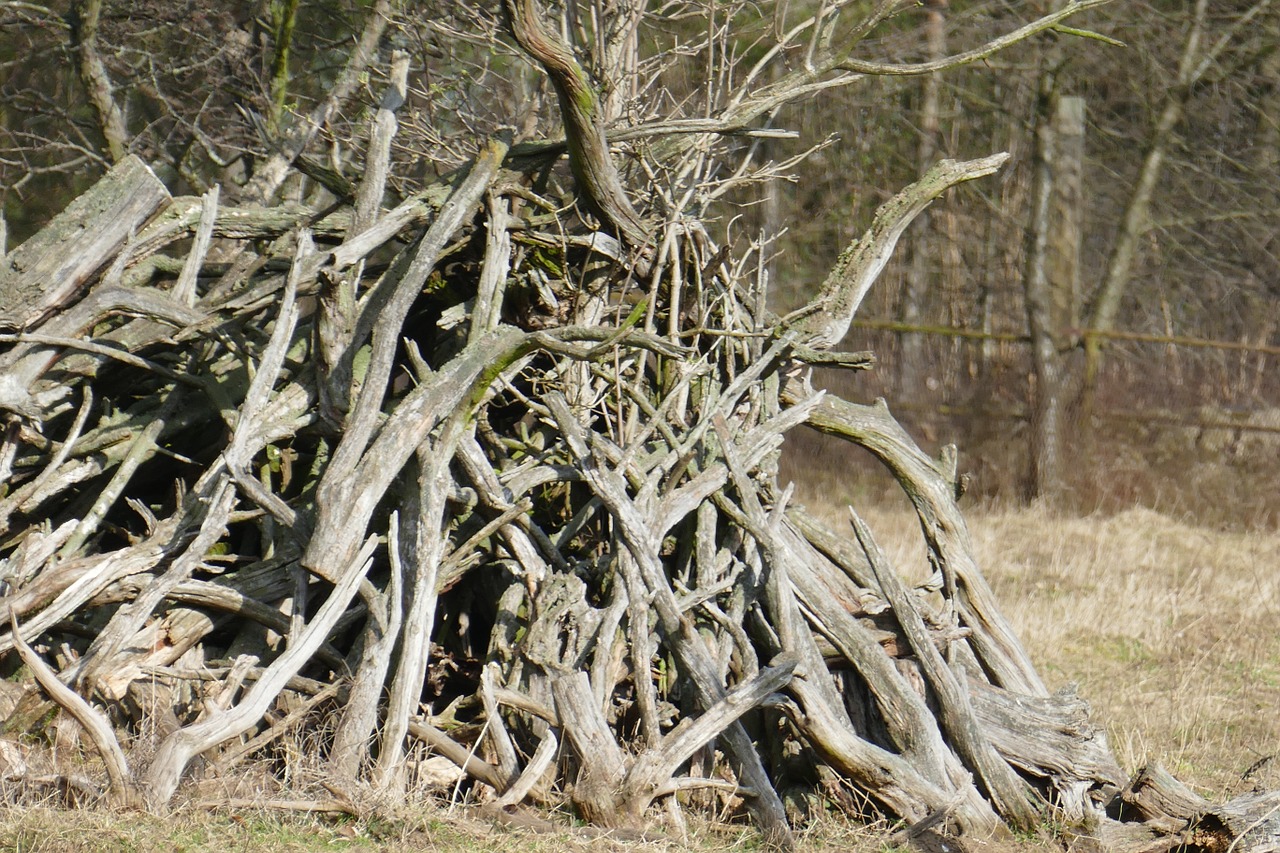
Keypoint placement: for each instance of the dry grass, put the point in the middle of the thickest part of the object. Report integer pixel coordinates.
(1171, 630)
(434, 828)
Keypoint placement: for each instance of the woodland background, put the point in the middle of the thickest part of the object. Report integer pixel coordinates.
(1178, 215)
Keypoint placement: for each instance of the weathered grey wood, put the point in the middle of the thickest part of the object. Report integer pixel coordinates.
(25, 363)
(1010, 795)
(234, 754)
(374, 181)
(48, 271)
(1113, 836)
(1185, 819)
(653, 769)
(390, 309)
(63, 586)
(382, 630)
(460, 755)
(600, 759)
(420, 584)
(491, 492)
(637, 544)
(102, 661)
(124, 789)
(1161, 800)
(183, 217)
(687, 644)
(346, 501)
(1052, 738)
(920, 781)
(336, 325)
(487, 310)
(823, 323)
(533, 771)
(841, 553)
(176, 751)
(833, 615)
(184, 290)
(933, 495)
(1250, 822)
(240, 594)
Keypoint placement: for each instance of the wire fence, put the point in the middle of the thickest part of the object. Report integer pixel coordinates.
(1144, 375)
(1173, 421)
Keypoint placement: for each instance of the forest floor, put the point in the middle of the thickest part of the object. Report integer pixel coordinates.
(1169, 629)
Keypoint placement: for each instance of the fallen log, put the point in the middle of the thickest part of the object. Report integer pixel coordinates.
(48, 271)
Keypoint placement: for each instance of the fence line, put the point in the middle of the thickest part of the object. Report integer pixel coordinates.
(942, 331)
(1083, 334)
(1020, 413)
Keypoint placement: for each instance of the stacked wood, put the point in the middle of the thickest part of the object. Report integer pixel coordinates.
(489, 475)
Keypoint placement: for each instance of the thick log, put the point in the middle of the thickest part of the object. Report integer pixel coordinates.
(1160, 800)
(1186, 820)
(600, 759)
(1051, 738)
(47, 271)
(1250, 822)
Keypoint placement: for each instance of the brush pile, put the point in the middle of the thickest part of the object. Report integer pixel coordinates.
(492, 471)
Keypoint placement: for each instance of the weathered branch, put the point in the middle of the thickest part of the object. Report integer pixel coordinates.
(124, 791)
(598, 183)
(177, 750)
(823, 323)
(1010, 795)
(944, 529)
(47, 272)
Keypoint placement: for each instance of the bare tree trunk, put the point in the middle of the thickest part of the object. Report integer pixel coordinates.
(1194, 66)
(1051, 276)
(925, 247)
(86, 15)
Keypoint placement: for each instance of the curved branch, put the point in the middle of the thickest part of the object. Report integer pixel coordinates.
(825, 320)
(932, 492)
(593, 169)
(123, 787)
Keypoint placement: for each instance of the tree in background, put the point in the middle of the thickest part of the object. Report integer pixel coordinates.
(1174, 216)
